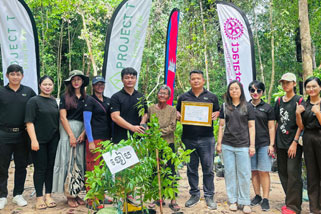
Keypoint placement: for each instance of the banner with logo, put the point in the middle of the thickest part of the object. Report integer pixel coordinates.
(125, 41)
(19, 41)
(171, 50)
(238, 45)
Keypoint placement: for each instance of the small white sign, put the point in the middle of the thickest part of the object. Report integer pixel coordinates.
(120, 159)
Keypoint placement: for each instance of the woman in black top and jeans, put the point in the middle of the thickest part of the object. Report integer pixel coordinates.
(309, 119)
(42, 120)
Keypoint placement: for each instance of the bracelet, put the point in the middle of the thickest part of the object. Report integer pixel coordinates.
(297, 141)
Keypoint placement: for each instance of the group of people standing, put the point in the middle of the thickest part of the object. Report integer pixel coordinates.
(247, 135)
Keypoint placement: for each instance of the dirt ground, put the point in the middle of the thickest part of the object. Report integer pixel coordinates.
(276, 199)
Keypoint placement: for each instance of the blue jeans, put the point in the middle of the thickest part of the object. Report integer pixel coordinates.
(261, 161)
(237, 166)
(204, 152)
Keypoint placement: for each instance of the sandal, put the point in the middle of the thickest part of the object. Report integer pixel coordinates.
(50, 203)
(80, 201)
(41, 205)
(72, 202)
(174, 207)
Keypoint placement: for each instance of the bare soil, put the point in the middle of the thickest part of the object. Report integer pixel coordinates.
(276, 198)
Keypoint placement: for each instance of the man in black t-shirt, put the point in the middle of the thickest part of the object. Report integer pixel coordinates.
(13, 137)
(124, 109)
(201, 139)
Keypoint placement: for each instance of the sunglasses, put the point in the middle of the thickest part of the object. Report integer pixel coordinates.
(252, 90)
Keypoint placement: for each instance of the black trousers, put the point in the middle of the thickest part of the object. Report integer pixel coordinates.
(290, 171)
(204, 153)
(44, 161)
(21, 153)
(312, 158)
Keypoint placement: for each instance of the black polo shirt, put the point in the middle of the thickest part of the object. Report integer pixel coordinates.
(126, 104)
(193, 132)
(43, 112)
(310, 121)
(263, 114)
(74, 113)
(12, 112)
(286, 118)
(236, 132)
(100, 119)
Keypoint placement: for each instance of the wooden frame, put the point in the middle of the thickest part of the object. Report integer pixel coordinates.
(203, 116)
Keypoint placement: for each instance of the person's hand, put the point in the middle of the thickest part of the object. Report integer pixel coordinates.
(292, 150)
(138, 129)
(252, 151)
(215, 115)
(219, 148)
(72, 141)
(178, 115)
(315, 109)
(299, 108)
(34, 146)
(271, 150)
(81, 138)
(91, 146)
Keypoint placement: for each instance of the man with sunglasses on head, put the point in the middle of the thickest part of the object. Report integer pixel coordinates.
(261, 162)
(13, 136)
(201, 139)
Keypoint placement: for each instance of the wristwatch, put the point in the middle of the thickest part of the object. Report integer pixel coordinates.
(297, 141)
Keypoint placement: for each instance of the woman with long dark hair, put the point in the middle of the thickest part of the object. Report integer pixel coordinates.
(237, 143)
(42, 120)
(72, 133)
(261, 162)
(309, 118)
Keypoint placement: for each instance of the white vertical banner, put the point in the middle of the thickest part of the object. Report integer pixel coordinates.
(238, 45)
(19, 41)
(125, 41)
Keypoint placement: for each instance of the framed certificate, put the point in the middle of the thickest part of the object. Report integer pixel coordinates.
(195, 113)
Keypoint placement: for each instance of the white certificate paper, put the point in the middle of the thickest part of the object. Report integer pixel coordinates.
(196, 113)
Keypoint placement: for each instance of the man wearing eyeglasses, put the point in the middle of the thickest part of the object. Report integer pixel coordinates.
(201, 139)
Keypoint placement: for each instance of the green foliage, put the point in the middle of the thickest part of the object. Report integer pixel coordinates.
(140, 179)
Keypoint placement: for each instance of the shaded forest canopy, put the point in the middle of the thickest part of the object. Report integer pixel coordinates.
(71, 30)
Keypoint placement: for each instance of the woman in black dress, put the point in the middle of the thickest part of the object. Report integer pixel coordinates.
(42, 120)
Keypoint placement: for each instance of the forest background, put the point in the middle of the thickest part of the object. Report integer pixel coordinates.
(72, 36)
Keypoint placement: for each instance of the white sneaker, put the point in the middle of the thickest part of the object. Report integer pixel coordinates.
(19, 200)
(3, 202)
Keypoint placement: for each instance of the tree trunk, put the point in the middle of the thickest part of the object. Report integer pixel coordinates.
(59, 57)
(305, 39)
(272, 53)
(259, 50)
(205, 48)
(69, 45)
(88, 43)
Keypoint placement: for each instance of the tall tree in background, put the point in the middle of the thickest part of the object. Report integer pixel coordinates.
(305, 36)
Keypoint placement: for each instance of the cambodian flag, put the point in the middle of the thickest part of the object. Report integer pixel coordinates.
(171, 50)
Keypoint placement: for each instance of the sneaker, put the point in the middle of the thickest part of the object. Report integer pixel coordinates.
(265, 205)
(256, 200)
(19, 200)
(288, 211)
(194, 199)
(233, 207)
(210, 203)
(247, 209)
(3, 203)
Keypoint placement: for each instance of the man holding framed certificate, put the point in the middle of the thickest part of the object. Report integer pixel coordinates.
(196, 109)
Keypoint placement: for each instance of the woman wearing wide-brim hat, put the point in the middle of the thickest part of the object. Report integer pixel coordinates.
(72, 133)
